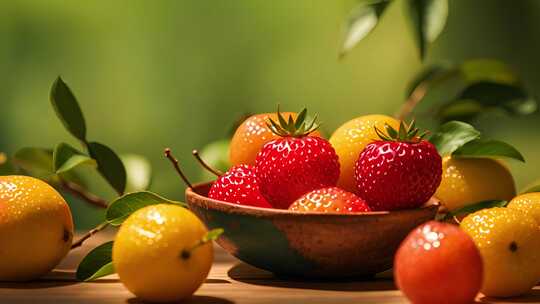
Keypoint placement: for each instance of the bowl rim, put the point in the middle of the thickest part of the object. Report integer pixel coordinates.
(259, 211)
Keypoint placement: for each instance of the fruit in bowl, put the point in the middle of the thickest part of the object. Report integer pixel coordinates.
(299, 172)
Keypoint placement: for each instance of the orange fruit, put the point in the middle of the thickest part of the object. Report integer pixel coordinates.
(509, 242)
(438, 263)
(36, 228)
(471, 180)
(528, 203)
(252, 135)
(350, 139)
(149, 253)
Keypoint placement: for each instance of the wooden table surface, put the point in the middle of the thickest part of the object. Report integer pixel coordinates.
(230, 281)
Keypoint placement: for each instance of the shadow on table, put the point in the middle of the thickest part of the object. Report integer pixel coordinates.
(531, 297)
(251, 275)
(192, 300)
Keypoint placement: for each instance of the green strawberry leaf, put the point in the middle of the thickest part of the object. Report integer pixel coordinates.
(37, 162)
(120, 209)
(66, 158)
(452, 135)
(109, 165)
(488, 148)
(362, 20)
(428, 19)
(96, 264)
(139, 172)
(67, 109)
(475, 207)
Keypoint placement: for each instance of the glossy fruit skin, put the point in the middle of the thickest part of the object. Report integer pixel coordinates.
(239, 185)
(394, 175)
(350, 139)
(36, 228)
(252, 135)
(509, 242)
(147, 253)
(438, 263)
(330, 200)
(289, 167)
(471, 180)
(528, 203)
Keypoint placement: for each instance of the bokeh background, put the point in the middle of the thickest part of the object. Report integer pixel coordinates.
(151, 74)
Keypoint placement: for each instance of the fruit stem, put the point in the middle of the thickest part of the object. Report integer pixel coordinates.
(208, 237)
(205, 165)
(174, 162)
(89, 234)
(81, 193)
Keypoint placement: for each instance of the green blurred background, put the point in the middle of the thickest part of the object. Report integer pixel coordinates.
(152, 74)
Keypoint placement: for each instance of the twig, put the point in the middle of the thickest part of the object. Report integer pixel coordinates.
(174, 162)
(416, 96)
(89, 234)
(81, 193)
(216, 172)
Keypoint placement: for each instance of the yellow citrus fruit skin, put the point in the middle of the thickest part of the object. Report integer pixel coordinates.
(528, 203)
(509, 243)
(147, 253)
(252, 135)
(472, 180)
(36, 228)
(350, 139)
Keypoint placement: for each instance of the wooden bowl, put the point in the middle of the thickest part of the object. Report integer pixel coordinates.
(316, 245)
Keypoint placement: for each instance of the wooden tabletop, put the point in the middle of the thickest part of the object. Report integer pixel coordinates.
(230, 281)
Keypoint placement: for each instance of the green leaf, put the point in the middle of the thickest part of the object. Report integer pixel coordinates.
(37, 162)
(109, 165)
(533, 187)
(96, 264)
(66, 158)
(362, 20)
(488, 148)
(492, 94)
(475, 207)
(212, 235)
(462, 110)
(452, 135)
(139, 172)
(428, 19)
(120, 209)
(67, 109)
(488, 70)
(430, 76)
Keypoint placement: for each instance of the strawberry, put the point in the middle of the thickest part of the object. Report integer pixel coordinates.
(331, 199)
(238, 185)
(295, 163)
(402, 170)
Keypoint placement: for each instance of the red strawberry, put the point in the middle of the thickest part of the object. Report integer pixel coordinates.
(400, 171)
(295, 163)
(331, 199)
(238, 185)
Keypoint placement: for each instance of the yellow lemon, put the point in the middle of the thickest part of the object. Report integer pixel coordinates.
(349, 141)
(471, 180)
(528, 203)
(509, 243)
(158, 253)
(36, 228)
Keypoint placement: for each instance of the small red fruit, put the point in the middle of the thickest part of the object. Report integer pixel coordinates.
(295, 163)
(400, 171)
(331, 199)
(438, 263)
(240, 186)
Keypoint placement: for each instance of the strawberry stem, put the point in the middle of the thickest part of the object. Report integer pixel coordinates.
(292, 127)
(174, 162)
(405, 133)
(197, 156)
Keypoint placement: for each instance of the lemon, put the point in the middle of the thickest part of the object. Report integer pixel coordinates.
(528, 203)
(471, 180)
(156, 253)
(36, 228)
(350, 139)
(509, 243)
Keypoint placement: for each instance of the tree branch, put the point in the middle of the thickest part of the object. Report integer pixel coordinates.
(81, 193)
(89, 234)
(416, 96)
